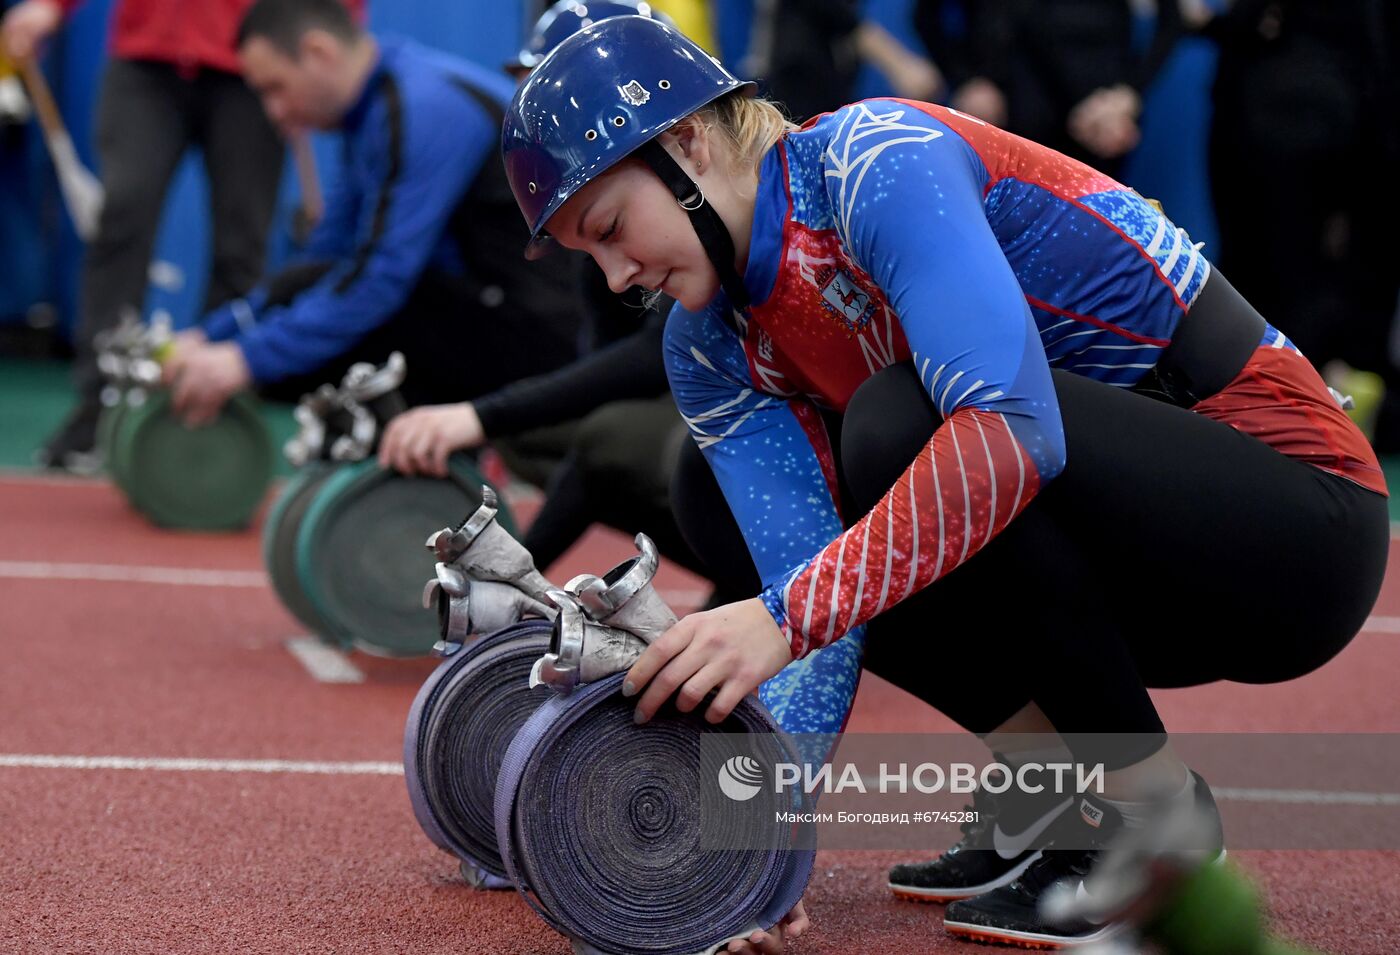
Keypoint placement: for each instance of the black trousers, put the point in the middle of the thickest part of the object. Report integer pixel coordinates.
(618, 470)
(1171, 551)
(454, 349)
(147, 116)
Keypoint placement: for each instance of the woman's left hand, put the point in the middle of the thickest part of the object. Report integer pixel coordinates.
(732, 648)
(774, 941)
(203, 376)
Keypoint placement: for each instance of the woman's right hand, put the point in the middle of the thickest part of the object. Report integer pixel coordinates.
(27, 25)
(420, 440)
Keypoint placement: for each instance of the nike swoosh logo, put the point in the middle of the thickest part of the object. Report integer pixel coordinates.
(1009, 846)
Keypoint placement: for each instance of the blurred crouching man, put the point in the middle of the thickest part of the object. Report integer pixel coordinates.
(419, 249)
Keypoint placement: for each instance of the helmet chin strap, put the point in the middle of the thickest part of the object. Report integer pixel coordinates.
(714, 236)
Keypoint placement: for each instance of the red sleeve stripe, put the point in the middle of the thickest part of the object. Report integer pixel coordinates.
(832, 611)
(968, 526)
(976, 471)
(991, 466)
(913, 575)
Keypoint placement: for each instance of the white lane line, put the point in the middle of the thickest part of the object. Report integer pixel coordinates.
(325, 664)
(28, 476)
(1310, 797)
(305, 767)
(206, 577)
(181, 765)
(1304, 797)
(197, 577)
(121, 573)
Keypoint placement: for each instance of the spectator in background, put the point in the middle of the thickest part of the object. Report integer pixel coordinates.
(1061, 72)
(1305, 135)
(172, 83)
(419, 250)
(807, 54)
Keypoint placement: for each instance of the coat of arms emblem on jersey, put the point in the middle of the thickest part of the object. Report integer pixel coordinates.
(841, 294)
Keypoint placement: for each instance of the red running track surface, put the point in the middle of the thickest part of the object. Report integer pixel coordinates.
(157, 860)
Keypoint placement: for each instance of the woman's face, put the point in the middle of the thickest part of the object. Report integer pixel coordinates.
(632, 226)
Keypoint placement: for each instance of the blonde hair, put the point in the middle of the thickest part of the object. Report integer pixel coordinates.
(748, 125)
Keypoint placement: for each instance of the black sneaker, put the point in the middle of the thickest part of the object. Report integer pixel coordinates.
(1144, 868)
(74, 446)
(986, 857)
(1012, 915)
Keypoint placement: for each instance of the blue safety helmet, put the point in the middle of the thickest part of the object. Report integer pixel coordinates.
(567, 17)
(603, 94)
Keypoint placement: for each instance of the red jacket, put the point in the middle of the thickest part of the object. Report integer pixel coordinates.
(192, 34)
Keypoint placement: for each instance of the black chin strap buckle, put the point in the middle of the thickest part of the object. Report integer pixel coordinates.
(692, 202)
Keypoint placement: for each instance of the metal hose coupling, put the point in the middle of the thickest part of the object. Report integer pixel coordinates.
(344, 423)
(582, 650)
(468, 608)
(311, 414)
(359, 431)
(484, 550)
(377, 388)
(604, 623)
(624, 597)
(129, 354)
(370, 397)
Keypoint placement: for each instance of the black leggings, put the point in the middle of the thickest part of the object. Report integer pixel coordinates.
(617, 472)
(1172, 551)
(455, 350)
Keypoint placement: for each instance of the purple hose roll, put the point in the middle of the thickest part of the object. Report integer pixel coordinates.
(460, 724)
(607, 828)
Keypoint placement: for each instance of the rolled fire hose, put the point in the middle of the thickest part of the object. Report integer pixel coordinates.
(624, 837)
(459, 727)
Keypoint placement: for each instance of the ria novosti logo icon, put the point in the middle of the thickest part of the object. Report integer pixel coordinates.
(740, 778)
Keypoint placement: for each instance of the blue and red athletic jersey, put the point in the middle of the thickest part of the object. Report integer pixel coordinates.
(891, 231)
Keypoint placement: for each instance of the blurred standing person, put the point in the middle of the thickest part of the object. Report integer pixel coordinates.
(172, 82)
(807, 54)
(1306, 114)
(1061, 72)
